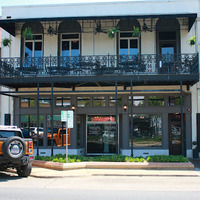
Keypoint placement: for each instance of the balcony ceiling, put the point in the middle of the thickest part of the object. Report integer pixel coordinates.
(9, 24)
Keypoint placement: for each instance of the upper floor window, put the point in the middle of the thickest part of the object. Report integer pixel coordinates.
(27, 102)
(44, 102)
(70, 45)
(33, 48)
(63, 101)
(128, 44)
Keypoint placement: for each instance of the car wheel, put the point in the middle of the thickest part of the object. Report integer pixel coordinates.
(24, 170)
(13, 149)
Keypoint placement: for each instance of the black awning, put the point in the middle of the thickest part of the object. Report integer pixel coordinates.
(9, 24)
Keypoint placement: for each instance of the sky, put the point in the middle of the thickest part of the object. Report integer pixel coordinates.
(38, 2)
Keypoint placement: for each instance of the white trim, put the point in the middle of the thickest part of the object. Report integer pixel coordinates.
(145, 152)
(70, 40)
(47, 152)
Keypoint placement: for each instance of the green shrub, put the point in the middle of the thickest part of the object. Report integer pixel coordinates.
(113, 158)
(142, 160)
(137, 160)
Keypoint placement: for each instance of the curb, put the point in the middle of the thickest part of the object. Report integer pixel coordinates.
(113, 165)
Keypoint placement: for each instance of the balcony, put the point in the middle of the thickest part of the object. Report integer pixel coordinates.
(103, 65)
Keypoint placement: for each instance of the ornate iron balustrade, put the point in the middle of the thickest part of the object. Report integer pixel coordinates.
(150, 64)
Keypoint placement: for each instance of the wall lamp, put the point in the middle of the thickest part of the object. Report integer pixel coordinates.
(73, 107)
(125, 107)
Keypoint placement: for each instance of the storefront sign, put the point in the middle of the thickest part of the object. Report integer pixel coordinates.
(103, 119)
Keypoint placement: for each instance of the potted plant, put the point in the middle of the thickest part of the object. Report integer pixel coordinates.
(6, 42)
(112, 32)
(192, 41)
(27, 34)
(136, 32)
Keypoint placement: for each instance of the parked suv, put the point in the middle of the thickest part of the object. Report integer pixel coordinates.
(15, 151)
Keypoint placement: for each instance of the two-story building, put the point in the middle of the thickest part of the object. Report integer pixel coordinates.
(125, 69)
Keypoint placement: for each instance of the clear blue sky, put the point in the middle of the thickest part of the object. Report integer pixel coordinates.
(37, 2)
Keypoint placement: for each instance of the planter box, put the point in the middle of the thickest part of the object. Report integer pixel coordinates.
(113, 165)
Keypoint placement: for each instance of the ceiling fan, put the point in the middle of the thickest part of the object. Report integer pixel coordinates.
(145, 27)
(98, 28)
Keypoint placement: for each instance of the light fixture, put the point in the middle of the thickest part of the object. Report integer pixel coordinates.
(125, 107)
(73, 107)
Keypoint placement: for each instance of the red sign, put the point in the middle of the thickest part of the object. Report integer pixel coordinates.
(103, 119)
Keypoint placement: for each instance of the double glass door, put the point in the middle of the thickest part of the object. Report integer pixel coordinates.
(101, 134)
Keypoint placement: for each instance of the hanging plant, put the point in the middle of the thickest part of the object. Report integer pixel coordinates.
(27, 34)
(192, 41)
(136, 32)
(6, 42)
(112, 32)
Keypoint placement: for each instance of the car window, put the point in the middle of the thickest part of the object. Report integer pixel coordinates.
(6, 134)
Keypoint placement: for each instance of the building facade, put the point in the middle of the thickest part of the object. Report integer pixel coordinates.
(128, 74)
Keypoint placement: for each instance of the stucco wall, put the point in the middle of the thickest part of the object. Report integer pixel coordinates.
(139, 7)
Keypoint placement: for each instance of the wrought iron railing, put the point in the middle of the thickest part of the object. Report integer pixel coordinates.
(150, 64)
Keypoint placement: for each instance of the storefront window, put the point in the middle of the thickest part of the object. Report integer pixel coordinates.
(112, 101)
(175, 100)
(29, 128)
(58, 128)
(147, 130)
(63, 101)
(137, 101)
(99, 102)
(156, 101)
(27, 102)
(101, 134)
(57, 124)
(44, 102)
(83, 102)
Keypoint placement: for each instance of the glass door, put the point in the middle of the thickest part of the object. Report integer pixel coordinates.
(175, 134)
(101, 134)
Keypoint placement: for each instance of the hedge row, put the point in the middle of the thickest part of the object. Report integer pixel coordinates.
(61, 158)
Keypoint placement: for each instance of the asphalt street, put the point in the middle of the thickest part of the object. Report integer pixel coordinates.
(99, 187)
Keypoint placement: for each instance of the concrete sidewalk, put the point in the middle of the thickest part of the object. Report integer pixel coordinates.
(50, 173)
(42, 169)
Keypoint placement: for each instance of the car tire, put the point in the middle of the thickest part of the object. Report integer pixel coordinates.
(24, 170)
(13, 149)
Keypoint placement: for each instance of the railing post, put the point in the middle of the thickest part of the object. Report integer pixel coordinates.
(50, 64)
(108, 62)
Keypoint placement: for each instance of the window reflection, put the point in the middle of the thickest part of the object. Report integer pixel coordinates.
(27, 102)
(99, 102)
(29, 128)
(147, 130)
(137, 100)
(175, 101)
(156, 101)
(70, 45)
(83, 101)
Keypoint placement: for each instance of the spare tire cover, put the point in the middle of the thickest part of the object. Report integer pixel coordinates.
(14, 148)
